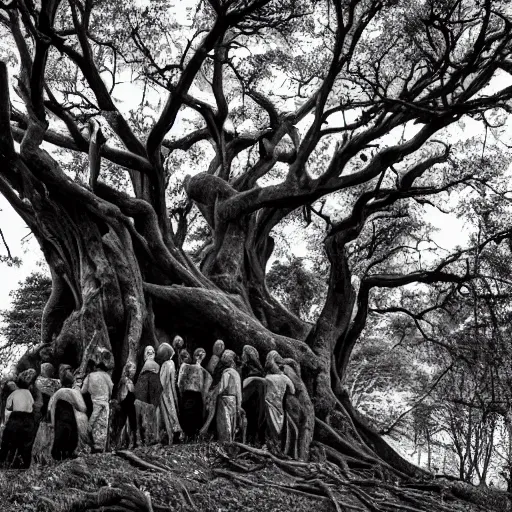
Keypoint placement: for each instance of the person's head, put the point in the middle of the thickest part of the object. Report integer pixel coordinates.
(11, 386)
(178, 343)
(218, 348)
(228, 358)
(271, 365)
(90, 367)
(291, 363)
(249, 353)
(48, 370)
(164, 353)
(67, 379)
(22, 384)
(46, 355)
(149, 353)
(129, 370)
(26, 378)
(65, 367)
(104, 359)
(101, 366)
(199, 355)
(185, 356)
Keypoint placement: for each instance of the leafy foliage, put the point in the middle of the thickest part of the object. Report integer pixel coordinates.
(22, 322)
(300, 289)
(383, 379)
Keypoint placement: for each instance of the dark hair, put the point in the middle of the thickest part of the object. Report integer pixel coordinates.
(23, 384)
(67, 380)
(46, 354)
(101, 366)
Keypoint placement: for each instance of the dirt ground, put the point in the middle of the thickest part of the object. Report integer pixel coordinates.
(202, 477)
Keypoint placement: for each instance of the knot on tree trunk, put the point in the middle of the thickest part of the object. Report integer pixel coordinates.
(207, 189)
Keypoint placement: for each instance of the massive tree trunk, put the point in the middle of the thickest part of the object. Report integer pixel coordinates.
(115, 283)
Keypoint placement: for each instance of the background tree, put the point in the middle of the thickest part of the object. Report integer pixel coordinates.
(22, 321)
(360, 135)
(460, 407)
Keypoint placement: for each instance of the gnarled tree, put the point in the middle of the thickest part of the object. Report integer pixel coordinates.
(294, 105)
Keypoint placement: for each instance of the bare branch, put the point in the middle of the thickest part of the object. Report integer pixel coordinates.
(6, 140)
(9, 255)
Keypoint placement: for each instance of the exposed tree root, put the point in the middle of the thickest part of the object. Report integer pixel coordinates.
(243, 468)
(415, 498)
(327, 480)
(330, 494)
(125, 498)
(136, 461)
(265, 483)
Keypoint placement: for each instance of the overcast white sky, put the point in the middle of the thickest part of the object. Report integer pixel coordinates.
(14, 230)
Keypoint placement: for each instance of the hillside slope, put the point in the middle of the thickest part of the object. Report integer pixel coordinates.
(205, 478)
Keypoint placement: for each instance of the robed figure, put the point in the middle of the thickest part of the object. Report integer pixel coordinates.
(217, 350)
(99, 385)
(67, 410)
(193, 382)
(124, 426)
(229, 399)
(278, 384)
(169, 398)
(148, 391)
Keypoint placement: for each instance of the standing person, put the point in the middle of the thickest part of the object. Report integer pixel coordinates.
(7, 389)
(169, 398)
(277, 386)
(47, 384)
(192, 380)
(17, 439)
(62, 406)
(148, 391)
(217, 350)
(126, 419)
(70, 393)
(229, 399)
(177, 345)
(99, 385)
(300, 413)
(212, 393)
(253, 394)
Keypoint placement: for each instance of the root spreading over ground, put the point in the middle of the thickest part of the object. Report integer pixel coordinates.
(209, 477)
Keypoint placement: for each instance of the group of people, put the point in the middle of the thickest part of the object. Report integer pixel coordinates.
(173, 399)
(165, 405)
(78, 412)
